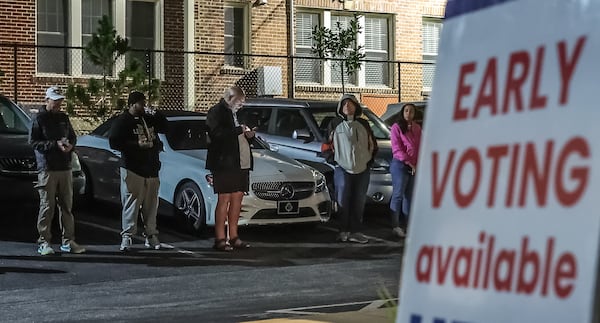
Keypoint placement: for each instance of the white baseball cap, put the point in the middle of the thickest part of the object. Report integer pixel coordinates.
(53, 93)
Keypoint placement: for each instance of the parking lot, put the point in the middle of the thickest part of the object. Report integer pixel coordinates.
(287, 267)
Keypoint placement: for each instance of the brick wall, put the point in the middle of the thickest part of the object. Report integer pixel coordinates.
(172, 84)
(270, 36)
(17, 26)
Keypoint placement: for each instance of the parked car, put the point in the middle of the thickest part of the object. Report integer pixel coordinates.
(297, 128)
(18, 168)
(393, 112)
(282, 190)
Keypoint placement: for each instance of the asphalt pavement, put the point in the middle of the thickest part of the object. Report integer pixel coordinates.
(291, 272)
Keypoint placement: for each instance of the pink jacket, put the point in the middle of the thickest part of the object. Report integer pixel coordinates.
(405, 147)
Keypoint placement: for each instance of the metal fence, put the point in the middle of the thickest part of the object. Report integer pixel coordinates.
(196, 80)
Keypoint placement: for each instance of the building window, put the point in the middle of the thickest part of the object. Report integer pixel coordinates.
(141, 32)
(376, 49)
(52, 30)
(307, 70)
(91, 13)
(67, 23)
(235, 34)
(432, 29)
(375, 40)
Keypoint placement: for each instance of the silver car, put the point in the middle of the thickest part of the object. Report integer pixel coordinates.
(297, 128)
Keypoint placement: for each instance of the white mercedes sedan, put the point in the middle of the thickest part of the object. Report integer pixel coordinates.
(282, 190)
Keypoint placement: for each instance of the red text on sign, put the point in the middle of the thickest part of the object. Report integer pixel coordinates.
(523, 67)
(524, 270)
(528, 165)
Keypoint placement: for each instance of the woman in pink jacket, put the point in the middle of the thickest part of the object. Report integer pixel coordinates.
(406, 138)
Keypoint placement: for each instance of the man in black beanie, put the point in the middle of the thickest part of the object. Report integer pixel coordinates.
(134, 134)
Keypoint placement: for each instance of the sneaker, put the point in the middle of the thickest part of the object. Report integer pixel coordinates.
(358, 237)
(398, 232)
(125, 243)
(72, 247)
(152, 242)
(343, 236)
(44, 249)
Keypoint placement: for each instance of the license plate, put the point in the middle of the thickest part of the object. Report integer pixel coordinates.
(287, 207)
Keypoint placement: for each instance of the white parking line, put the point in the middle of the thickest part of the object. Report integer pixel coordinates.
(307, 310)
(141, 239)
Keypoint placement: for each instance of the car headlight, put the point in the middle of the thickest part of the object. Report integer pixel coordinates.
(381, 165)
(320, 184)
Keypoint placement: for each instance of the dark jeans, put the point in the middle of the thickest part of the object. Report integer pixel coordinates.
(352, 199)
(402, 184)
(338, 182)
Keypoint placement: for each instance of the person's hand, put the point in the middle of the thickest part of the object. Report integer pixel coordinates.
(249, 133)
(64, 145)
(413, 170)
(145, 144)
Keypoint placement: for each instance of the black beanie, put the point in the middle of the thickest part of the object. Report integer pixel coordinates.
(135, 97)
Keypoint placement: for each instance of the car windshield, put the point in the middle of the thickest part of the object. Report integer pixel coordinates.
(380, 130)
(192, 134)
(323, 117)
(12, 119)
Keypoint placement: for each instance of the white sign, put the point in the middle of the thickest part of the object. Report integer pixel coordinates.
(505, 218)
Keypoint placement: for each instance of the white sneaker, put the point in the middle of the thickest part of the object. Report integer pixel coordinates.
(152, 242)
(125, 243)
(44, 249)
(398, 232)
(358, 237)
(343, 236)
(72, 247)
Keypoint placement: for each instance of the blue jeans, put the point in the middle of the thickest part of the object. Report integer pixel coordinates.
(352, 198)
(402, 185)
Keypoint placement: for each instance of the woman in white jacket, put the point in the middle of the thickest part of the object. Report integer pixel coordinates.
(354, 149)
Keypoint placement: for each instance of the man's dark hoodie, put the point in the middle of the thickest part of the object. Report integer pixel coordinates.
(124, 135)
(47, 128)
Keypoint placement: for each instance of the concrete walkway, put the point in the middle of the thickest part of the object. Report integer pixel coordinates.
(380, 315)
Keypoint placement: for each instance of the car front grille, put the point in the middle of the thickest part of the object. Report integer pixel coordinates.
(271, 214)
(18, 165)
(278, 191)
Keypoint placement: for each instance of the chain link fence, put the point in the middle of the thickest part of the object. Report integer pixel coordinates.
(196, 80)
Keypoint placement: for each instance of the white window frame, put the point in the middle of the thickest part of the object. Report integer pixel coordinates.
(325, 21)
(430, 56)
(388, 52)
(301, 48)
(118, 9)
(247, 25)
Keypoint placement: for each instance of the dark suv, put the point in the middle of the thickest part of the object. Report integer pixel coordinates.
(18, 169)
(297, 128)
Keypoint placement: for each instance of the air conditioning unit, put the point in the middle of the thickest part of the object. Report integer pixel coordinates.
(269, 81)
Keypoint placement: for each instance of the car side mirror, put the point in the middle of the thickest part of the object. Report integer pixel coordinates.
(302, 134)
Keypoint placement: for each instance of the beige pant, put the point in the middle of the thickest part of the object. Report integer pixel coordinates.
(55, 187)
(137, 193)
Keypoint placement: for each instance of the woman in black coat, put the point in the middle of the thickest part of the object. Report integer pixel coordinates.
(230, 160)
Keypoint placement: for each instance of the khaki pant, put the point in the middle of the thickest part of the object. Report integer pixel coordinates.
(55, 187)
(138, 192)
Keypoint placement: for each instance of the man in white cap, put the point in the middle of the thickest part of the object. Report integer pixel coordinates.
(53, 139)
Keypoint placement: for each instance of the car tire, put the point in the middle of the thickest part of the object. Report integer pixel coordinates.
(189, 207)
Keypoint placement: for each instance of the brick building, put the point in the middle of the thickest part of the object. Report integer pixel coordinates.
(203, 46)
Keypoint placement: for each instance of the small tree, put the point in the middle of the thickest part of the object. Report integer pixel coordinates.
(340, 44)
(102, 97)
